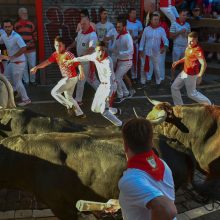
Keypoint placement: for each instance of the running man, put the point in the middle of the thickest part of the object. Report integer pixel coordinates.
(102, 100)
(67, 84)
(194, 68)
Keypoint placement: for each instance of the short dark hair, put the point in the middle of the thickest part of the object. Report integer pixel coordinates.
(7, 21)
(153, 15)
(193, 34)
(100, 44)
(122, 20)
(182, 10)
(131, 9)
(85, 12)
(101, 10)
(138, 134)
(59, 39)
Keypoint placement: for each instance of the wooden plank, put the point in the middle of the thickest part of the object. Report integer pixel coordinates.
(204, 22)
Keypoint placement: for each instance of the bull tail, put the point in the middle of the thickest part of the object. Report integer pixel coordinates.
(11, 101)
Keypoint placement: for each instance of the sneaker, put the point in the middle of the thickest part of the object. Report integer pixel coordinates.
(119, 100)
(80, 103)
(132, 92)
(25, 102)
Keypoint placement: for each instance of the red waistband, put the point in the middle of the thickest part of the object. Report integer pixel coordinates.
(18, 62)
(125, 60)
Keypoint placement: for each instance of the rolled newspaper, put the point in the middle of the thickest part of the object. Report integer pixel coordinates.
(86, 206)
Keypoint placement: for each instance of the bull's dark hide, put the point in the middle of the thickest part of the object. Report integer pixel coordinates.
(61, 168)
(24, 121)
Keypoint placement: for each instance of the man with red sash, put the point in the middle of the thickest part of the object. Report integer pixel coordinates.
(85, 43)
(102, 100)
(135, 28)
(150, 48)
(169, 9)
(146, 187)
(179, 31)
(193, 70)
(124, 50)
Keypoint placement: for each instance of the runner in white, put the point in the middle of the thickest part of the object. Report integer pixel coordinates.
(179, 31)
(150, 47)
(169, 9)
(85, 44)
(135, 28)
(69, 79)
(124, 52)
(108, 84)
(14, 72)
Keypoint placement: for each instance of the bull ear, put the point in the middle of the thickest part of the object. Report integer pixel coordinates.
(160, 119)
(135, 113)
(154, 102)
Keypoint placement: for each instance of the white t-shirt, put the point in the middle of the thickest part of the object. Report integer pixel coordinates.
(137, 188)
(181, 39)
(84, 41)
(104, 68)
(124, 48)
(151, 40)
(13, 44)
(103, 29)
(134, 28)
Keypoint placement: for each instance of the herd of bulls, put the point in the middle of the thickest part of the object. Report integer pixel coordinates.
(61, 162)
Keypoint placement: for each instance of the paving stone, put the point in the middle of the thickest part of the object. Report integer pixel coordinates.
(23, 213)
(182, 217)
(42, 213)
(7, 215)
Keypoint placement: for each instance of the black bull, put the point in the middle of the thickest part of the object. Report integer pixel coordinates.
(62, 168)
(194, 129)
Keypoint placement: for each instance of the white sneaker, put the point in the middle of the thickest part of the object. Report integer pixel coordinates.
(25, 102)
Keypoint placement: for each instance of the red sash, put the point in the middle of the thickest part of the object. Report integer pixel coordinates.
(1, 67)
(148, 162)
(147, 64)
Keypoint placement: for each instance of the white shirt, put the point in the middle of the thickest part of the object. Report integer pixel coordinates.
(134, 28)
(104, 68)
(13, 44)
(151, 40)
(137, 188)
(103, 29)
(84, 41)
(181, 39)
(124, 48)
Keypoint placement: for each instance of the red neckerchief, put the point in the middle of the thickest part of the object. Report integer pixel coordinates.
(132, 21)
(124, 31)
(155, 26)
(23, 22)
(104, 57)
(148, 162)
(90, 30)
(180, 23)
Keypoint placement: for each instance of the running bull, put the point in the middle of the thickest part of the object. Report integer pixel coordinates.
(195, 128)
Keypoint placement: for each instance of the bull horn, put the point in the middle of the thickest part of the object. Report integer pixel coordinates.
(160, 119)
(135, 113)
(154, 102)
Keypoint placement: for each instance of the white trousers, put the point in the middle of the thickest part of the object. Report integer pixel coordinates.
(31, 62)
(14, 73)
(122, 68)
(81, 83)
(154, 67)
(170, 12)
(100, 103)
(66, 86)
(190, 84)
(178, 52)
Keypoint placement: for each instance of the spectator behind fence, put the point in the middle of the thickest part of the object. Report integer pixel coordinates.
(146, 187)
(26, 29)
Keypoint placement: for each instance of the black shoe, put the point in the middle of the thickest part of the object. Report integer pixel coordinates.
(71, 111)
(119, 100)
(81, 116)
(119, 111)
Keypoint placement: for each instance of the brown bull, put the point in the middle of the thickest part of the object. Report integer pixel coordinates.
(196, 128)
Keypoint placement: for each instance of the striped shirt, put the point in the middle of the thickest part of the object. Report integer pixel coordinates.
(181, 39)
(66, 71)
(27, 30)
